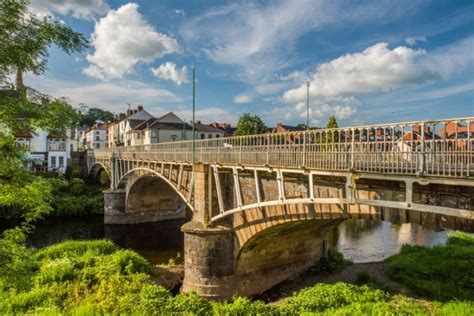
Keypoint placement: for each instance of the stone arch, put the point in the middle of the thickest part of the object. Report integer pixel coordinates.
(95, 170)
(133, 175)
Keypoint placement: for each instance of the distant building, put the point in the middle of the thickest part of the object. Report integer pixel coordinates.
(206, 131)
(280, 128)
(95, 137)
(225, 127)
(117, 131)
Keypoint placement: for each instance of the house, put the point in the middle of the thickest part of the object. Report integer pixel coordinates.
(169, 128)
(225, 127)
(280, 128)
(95, 137)
(206, 131)
(47, 150)
(117, 131)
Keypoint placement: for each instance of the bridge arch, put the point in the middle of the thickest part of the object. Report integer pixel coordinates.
(95, 169)
(132, 176)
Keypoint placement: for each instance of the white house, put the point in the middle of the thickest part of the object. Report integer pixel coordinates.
(169, 128)
(47, 150)
(117, 130)
(95, 137)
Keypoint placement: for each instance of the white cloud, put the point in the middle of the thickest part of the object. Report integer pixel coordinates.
(413, 40)
(260, 39)
(81, 9)
(123, 38)
(243, 98)
(111, 96)
(179, 12)
(168, 71)
(377, 68)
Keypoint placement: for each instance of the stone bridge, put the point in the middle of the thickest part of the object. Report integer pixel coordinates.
(260, 206)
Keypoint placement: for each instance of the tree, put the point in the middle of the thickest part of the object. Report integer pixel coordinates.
(250, 125)
(332, 123)
(25, 40)
(94, 114)
(332, 136)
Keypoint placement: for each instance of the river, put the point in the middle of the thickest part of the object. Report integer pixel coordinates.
(357, 239)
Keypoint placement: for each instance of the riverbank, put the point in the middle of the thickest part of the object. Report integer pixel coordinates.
(97, 277)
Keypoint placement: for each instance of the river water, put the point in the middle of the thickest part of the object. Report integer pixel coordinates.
(357, 239)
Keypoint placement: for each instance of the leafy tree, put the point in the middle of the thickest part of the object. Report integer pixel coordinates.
(94, 114)
(332, 136)
(25, 40)
(250, 125)
(332, 123)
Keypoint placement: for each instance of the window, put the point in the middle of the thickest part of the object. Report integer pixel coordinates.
(209, 136)
(97, 145)
(203, 136)
(53, 161)
(61, 161)
(97, 132)
(97, 138)
(217, 135)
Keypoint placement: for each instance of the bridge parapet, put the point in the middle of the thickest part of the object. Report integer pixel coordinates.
(442, 148)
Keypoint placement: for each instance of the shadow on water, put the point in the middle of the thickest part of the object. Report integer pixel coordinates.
(158, 242)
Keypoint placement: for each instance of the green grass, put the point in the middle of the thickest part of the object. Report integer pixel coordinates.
(96, 277)
(441, 272)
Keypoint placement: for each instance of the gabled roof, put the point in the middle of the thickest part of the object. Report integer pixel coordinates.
(57, 134)
(170, 117)
(207, 128)
(24, 134)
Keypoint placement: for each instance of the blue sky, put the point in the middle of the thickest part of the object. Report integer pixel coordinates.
(366, 61)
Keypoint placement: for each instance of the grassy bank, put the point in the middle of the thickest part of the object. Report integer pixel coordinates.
(441, 272)
(96, 277)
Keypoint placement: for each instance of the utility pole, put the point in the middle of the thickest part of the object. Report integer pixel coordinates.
(307, 104)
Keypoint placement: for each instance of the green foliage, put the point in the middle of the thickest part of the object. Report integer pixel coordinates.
(250, 125)
(440, 272)
(76, 198)
(460, 239)
(243, 306)
(96, 277)
(334, 262)
(324, 296)
(332, 122)
(95, 114)
(25, 39)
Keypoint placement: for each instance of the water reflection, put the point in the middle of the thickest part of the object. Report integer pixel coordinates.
(362, 240)
(158, 242)
(359, 240)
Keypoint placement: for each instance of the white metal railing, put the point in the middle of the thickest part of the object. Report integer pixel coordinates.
(439, 148)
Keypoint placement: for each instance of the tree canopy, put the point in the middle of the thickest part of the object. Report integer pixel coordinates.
(25, 40)
(332, 123)
(250, 125)
(94, 114)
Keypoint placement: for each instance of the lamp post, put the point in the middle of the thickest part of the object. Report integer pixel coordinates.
(194, 110)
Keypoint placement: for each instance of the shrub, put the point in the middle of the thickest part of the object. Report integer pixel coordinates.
(460, 239)
(242, 306)
(334, 262)
(73, 248)
(440, 272)
(325, 296)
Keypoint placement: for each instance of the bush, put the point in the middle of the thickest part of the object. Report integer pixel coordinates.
(440, 272)
(243, 306)
(334, 262)
(325, 296)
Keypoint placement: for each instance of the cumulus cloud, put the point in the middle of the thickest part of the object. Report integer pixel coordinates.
(260, 39)
(123, 38)
(81, 9)
(377, 68)
(243, 98)
(168, 71)
(413, 40)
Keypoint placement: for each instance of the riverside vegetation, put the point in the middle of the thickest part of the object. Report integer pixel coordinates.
(96, 277)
